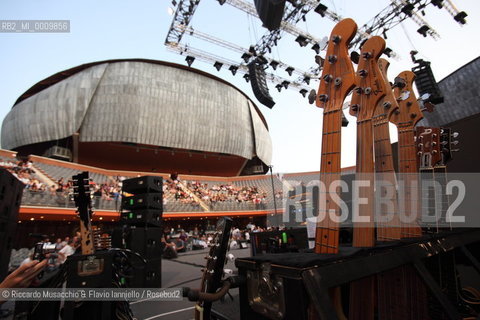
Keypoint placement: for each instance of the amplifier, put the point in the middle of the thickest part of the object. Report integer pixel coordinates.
(143, 217)
(143, 201)
(90, 271)
(143, 184)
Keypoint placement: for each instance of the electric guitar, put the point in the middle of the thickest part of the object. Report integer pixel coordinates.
(369, 91)
(91, 265)
(412, 292)
(213, 273)
(405, 118)
(336, 83)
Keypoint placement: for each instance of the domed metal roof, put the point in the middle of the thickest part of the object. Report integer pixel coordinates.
(140, 101)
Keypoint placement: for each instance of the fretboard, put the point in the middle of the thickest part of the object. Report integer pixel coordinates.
(327, 230)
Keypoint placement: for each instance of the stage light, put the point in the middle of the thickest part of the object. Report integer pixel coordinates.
(252, 50)
(423, 30)
(279, 87)
(261, 60)
(355, 57)
(174, 3)
(321, 9)
(274, 64)
(189, 60)
(302, 41)
(246, 57)
(460, 17)
(306, 79)
(218, 65)
(285, 84)
(407, 9)
(233, 69)
(303, 92)
(222, 2)
(437, 3)
(289, 70)
(246, 76)
(319, 60)
(387, 52)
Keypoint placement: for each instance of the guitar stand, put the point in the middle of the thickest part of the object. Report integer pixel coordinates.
(318, 280)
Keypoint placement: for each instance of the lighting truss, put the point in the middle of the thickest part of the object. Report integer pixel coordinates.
(242, 67)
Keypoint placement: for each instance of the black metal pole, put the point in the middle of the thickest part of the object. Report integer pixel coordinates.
(273, 189)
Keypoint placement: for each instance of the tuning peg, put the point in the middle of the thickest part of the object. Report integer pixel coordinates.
(354, 107)
(455, 142)
(444, 143)
(399, 82)
(387, 104)
(227, 271)
(327, 78)
(312, 96)
(230, 257)
(323, 97)
(336, 39)
(332, 58)
(363, 73)
(455, 150)
(455, 134)
(355, 57)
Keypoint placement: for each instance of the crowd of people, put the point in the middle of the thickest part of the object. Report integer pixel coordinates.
(24, 172)
(226, 192)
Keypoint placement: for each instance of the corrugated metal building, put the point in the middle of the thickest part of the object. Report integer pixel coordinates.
(144, 115)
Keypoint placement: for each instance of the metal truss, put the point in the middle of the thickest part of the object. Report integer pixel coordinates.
(181, 19)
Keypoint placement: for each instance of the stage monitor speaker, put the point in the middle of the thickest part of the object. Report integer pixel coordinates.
(425, 82)
(147, 275)
(270, 12)
(145, 241)
(259, 83)
(145, 184)
(145, 217)
(11, 190)
(143, 201)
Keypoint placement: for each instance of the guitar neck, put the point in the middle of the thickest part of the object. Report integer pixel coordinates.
(364, 232)
(86, 237)
(384, 171)
(408, 169)
(327, 230)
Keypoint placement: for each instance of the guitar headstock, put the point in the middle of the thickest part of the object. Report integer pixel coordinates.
(389, 103)
(370, 87)
(81, 195)
(408, 112)
(338, 76)
(448, 144)
(429, 148)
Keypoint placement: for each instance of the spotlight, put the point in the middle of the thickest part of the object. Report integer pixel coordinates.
(460, 17)
(302, 41)
(289, 71)
(387, 52)
(246, 57)
(189, 60)
(319, 60)
(285, 84)
(407, 9)
(321, 9)
(306, 79)
(274, 64)
(233, 69)
(261, 60)
(279, 87)
(246, 77)
(437, 3)
(303, 92)
(222, 2)
(423, 30)
(218, 65)
(174, 3)
(355, 57)
(252, 50)
(316, 48)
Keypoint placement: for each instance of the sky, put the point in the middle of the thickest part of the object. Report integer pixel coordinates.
(107, 29)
